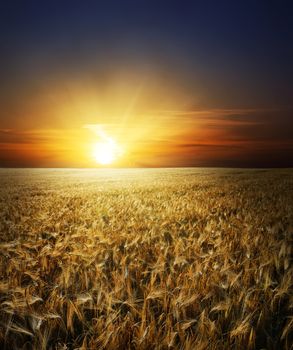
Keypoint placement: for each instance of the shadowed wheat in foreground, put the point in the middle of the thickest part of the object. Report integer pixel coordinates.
(146, 259)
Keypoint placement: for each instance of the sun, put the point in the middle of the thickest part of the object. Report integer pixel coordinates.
(106, 152)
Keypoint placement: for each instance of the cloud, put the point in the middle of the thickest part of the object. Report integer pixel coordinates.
(98, 130)
(208, 146)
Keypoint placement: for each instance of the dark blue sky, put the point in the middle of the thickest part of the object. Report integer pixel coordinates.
(219, 54)
(244, 45)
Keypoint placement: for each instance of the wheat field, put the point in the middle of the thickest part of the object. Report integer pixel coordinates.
(146, 259)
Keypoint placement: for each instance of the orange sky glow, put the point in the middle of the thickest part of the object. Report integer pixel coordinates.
(60, 127)
(150, 138)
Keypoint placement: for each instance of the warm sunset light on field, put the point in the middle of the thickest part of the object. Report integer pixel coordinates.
(145, 182)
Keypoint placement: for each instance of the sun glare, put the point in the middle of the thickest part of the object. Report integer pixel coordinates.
(106, 152)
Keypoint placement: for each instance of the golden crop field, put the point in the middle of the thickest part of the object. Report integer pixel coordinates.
(146, 259)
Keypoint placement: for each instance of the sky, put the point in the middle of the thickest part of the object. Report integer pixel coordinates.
(173, 83)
